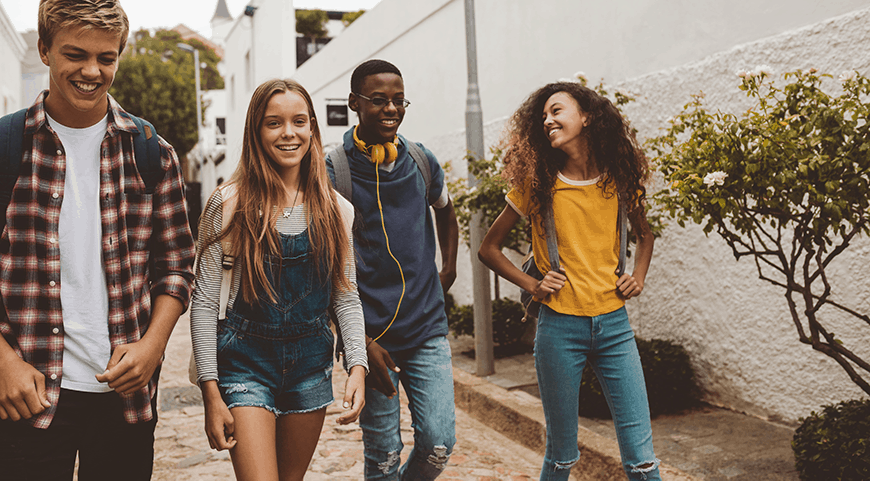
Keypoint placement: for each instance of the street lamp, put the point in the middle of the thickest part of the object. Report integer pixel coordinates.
(188, 48)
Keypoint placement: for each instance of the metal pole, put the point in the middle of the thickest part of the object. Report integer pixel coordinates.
(474, 142)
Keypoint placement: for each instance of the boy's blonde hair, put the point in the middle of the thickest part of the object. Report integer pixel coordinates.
(55, 15)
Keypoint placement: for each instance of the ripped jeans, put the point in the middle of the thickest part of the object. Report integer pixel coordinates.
(427, 376)
(563, 344)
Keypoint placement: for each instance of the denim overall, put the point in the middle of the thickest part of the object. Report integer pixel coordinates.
(278, 354)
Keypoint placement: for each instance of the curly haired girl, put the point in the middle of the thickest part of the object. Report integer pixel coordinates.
(569, 149)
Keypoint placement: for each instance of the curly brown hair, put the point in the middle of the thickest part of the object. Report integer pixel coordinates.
(530, 160)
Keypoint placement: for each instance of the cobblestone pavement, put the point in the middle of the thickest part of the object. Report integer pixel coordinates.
(182, 452)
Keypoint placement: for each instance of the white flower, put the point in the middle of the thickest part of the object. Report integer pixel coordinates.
(743, 73)
(847, 75)
(763, 69)
(715, 178)
(581, 75)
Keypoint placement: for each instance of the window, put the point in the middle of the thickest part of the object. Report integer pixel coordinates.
(220, 131)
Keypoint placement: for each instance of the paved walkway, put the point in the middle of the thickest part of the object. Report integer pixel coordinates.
(706, 443)
(182, 452)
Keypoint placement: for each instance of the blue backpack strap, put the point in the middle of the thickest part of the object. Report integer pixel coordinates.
(341, 169)
(146, 150)
(422, 163)
(11, 153)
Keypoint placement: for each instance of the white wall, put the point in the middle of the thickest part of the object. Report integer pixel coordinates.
(737, 329)
(12, 48)
(34, 74)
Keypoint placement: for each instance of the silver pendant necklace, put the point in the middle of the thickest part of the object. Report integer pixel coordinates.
(286, 214)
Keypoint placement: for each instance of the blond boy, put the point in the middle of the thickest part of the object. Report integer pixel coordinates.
(94, 270)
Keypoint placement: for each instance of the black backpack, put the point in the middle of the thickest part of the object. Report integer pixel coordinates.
(146, 150)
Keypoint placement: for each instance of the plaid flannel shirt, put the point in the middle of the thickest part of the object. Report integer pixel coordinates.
(148, 250)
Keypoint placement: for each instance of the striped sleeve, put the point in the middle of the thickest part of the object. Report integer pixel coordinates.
(204, 304)
(347, 305)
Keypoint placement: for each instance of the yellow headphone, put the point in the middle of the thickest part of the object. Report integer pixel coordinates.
(380, 153)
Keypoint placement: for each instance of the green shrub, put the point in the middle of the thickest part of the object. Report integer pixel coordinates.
(670, 381)
(834, 444)
(507, 325)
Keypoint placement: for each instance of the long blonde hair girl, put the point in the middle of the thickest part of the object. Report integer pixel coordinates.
(259, 190)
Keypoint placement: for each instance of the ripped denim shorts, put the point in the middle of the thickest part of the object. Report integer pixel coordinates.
(274, 367)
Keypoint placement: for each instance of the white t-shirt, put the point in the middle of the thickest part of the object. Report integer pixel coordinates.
(84, 296)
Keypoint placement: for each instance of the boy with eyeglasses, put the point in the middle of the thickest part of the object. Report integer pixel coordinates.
(95, 267)
(401, 289)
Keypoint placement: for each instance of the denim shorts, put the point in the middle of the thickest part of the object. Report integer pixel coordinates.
(274, 367)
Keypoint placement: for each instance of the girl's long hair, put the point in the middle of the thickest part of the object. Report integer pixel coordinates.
(530, 160)
(259, 190)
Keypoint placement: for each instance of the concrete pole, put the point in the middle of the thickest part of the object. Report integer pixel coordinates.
(474, 143)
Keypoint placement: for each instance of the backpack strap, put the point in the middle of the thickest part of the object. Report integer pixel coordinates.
(341, 169)
(11, 153)
(550, 234)
(227, 260)
(422, 163)
(622, 228)
(146, 150)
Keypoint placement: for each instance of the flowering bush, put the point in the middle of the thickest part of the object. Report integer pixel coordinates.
(786, 183)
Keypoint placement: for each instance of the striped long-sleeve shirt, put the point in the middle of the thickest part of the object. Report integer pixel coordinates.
(205, 302)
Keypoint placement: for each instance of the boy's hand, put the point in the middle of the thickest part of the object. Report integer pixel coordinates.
(447, 277)
(380, 365)
(628, 286)
(22, 390)
(131, 366)
(354, 395)
(219, 424)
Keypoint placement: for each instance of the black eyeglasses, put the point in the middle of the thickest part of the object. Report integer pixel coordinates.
(381, 102)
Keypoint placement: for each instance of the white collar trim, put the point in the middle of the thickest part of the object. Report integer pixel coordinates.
(580, 183)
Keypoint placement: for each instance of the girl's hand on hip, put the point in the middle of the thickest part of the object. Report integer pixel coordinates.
(628, 287)
(354, 395)
(551, 283)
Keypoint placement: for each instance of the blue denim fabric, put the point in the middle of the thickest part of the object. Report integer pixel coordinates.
(427, 376)
(563, 345)
(277, 354)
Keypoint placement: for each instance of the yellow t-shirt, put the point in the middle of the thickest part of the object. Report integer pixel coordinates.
(588, 244)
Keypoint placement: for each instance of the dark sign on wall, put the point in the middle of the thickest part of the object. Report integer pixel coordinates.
(336, 115)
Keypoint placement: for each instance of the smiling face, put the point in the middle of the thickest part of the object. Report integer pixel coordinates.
(285, 132)
(564, 121)
(378, 125)
(82, 63)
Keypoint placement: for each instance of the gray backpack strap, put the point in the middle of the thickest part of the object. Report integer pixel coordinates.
(341, 169)
(422, 163)
(622, 227)
(550, 233)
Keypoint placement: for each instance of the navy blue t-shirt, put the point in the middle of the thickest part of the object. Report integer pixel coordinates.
(408, 222)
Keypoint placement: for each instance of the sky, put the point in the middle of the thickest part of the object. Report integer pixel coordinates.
(196, 14)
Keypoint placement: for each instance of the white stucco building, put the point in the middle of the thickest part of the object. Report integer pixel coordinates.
(34, 73)
(12, 50)
(736, 329)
